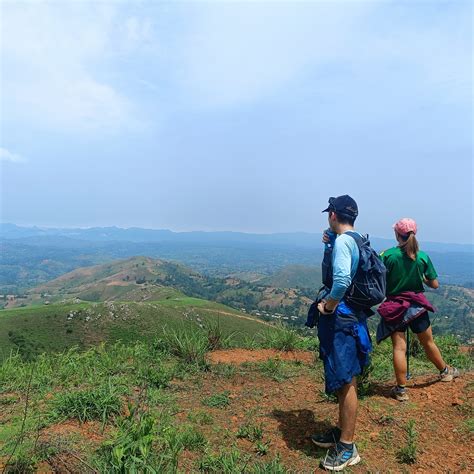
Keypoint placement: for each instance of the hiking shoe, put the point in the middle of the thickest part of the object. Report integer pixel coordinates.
(448, 374)
(328, 439)
(399, 394)
(338, 458)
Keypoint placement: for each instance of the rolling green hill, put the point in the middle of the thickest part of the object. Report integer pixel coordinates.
(294, 276)
(119, 280)
(285, 295)
(35, 329)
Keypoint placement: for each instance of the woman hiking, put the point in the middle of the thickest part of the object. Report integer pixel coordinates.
(406, 306)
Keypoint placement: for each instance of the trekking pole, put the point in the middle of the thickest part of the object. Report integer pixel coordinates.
(408, 354)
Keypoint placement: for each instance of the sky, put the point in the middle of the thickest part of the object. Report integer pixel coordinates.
(239, 116)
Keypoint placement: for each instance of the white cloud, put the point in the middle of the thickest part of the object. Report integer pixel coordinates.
(240, 52)
(237, 53)
(52, 59)
(6, 155)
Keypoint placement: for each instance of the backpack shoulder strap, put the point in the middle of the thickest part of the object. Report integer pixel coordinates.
(360, 240)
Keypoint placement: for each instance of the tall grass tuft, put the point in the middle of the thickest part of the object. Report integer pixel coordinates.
(216, 337)
(408, 453)
(282, 338)
(131, 449)
(89, 404)
(187, 344)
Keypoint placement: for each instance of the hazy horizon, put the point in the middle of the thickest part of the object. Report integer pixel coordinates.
(238, 117)
(316, 233)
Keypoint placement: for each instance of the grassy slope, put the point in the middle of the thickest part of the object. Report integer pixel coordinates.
(148, 405)
(293, 276)
(47, 328)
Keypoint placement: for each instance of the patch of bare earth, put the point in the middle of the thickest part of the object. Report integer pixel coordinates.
(240, 356)
(69, 440)
(290, 411)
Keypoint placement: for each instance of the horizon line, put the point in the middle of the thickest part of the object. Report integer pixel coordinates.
(42, 227)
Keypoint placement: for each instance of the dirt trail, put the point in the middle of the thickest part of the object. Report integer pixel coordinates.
(290, 411)
(218, 311)
(240, 356)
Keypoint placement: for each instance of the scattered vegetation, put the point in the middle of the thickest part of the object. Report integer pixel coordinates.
(279, 370)
(189, 346)
(89, 404)
(218, 400)
(251, 432)
(132, 390)
(131, 448)
(408, 453)
(283, 339)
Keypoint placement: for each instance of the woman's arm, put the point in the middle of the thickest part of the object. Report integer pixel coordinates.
(432, 283)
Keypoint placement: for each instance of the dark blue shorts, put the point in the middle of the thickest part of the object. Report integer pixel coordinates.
(418, 325)
(344, 347)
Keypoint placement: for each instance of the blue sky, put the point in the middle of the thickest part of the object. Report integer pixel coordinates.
(237, 116)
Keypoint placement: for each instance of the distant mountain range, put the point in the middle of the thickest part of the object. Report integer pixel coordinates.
(136, 234)
(30, 256)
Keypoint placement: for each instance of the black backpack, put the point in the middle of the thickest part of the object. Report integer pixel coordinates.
(369, 283)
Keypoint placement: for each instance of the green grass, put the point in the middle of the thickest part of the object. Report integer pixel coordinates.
(218, 400)
(283, 339)
(222, 370)
(33, 330)
(251, 432)
(382, 364)
(408, 454)
(201, 418)
(89, 404)
(279, 370)
(189, 346)
(148, 376)
(230, 462)
(130, 450)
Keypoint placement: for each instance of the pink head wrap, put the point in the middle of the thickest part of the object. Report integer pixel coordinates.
(405, 226)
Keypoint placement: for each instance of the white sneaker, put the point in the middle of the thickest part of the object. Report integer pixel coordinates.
(448, 374)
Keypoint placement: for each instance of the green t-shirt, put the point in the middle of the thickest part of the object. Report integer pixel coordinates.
(405, 274)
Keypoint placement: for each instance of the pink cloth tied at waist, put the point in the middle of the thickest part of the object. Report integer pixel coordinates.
(394, 307)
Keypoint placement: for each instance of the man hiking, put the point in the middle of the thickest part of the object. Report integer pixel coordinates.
(342, 327)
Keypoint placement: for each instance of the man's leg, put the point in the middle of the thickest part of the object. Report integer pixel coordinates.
(347, 396)
(399, 357)
(431, 349)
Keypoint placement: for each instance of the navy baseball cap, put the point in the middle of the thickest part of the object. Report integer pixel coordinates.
(344, 205)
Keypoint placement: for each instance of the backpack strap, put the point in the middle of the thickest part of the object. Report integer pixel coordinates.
(360, 240)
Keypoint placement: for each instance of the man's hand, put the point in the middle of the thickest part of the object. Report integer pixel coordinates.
(325, 307)
(326, 238)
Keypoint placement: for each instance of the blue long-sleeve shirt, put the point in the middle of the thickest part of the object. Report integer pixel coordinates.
(345, 260)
